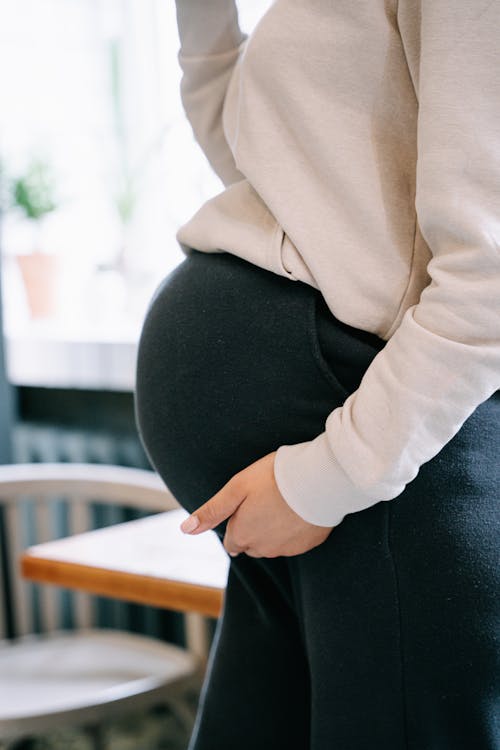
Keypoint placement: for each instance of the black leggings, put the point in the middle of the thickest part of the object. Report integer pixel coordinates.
(384, 637)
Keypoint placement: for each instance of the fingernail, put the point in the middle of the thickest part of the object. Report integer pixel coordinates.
(190, 524)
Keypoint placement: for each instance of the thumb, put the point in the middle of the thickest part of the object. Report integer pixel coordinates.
(222, 505)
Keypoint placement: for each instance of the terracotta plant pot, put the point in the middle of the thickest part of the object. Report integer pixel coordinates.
(40, 273)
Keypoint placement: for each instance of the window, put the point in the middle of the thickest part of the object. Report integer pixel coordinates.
(90, 107)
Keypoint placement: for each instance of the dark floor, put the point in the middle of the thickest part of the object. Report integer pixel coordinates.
(156, 729)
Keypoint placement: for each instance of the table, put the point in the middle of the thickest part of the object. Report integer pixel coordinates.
(149, 561)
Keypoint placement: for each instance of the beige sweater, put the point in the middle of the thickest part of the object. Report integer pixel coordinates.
(358, 142)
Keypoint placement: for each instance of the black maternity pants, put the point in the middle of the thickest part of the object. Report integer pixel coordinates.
(384, 637)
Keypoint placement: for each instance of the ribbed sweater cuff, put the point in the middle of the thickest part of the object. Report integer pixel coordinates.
(314, 484)
(208, 27)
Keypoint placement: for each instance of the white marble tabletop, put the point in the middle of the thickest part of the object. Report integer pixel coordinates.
(153, 546)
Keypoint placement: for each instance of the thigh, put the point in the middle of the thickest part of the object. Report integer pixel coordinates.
(256, 692)
(401, 608)
(347, 596)
(444, 536)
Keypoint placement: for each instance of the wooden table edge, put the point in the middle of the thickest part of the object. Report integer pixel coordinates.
(156, 592)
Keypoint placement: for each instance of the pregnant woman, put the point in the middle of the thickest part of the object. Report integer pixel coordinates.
(318, 380)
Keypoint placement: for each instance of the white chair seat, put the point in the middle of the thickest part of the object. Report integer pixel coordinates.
(83, 676)
(70, 672)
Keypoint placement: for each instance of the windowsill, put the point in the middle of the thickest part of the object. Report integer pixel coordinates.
(49, 353)
(89, 342)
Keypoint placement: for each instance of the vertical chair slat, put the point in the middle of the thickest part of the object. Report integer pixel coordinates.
(3, 593)
(20, 590)
(3, 614)
(197, 637)
(50, 616)
(79, 523)
(116, 612)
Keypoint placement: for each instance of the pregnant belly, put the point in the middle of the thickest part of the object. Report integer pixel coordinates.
(222, 344)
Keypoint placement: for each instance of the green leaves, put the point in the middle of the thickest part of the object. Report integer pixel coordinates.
(34, 191)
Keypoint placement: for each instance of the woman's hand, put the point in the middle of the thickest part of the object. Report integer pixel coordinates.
(262, 524)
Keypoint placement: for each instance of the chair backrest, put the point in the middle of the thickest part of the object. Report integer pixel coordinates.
(29, 494)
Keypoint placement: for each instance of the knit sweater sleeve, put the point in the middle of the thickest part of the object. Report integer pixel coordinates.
(443, 360)
(211, 43)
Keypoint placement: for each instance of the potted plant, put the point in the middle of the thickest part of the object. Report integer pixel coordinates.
(33, 194)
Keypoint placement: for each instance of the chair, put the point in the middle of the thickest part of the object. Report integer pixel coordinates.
(84, 675)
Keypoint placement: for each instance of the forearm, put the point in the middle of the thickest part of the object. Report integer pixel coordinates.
(208, 27)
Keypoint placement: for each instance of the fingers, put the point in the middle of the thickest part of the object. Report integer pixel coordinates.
(232, 548)
(222, 505)
(235, 544)
(248, 551)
